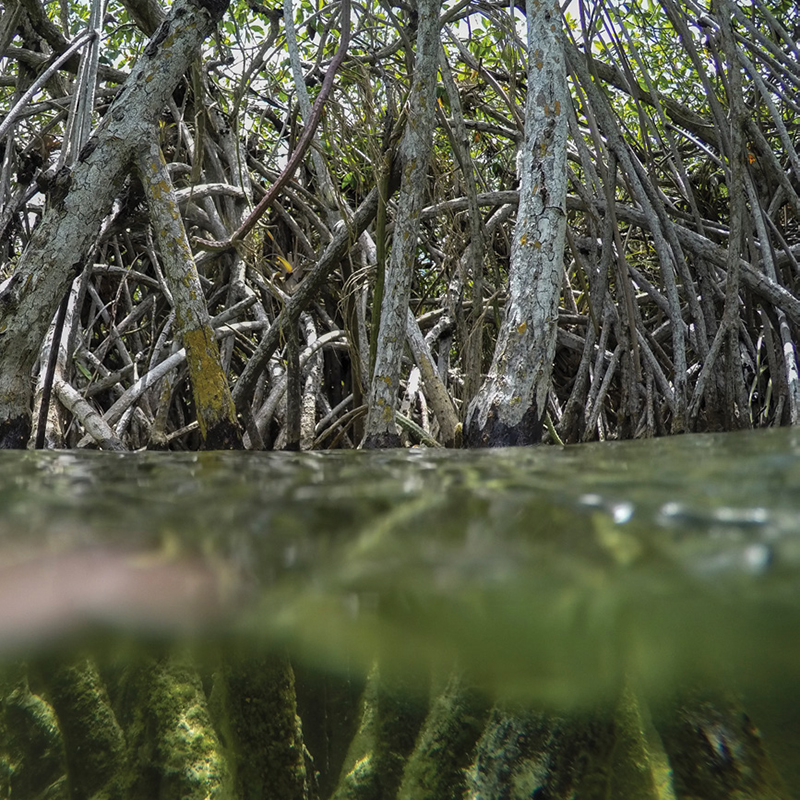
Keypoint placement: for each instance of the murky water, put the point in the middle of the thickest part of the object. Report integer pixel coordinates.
(550, 577)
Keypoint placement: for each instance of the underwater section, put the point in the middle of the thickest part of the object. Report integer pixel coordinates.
(599, 621)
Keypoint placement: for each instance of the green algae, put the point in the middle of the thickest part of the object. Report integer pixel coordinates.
(96, 752)
(33, 760)
(176, 752)
(174, 726)
(391, 715)
(254, 704)
(436, 767)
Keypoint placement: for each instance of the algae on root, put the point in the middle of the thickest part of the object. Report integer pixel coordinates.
(178, 754)
(33, 761)
(253, 702)
(94, 742)
(435, 769)
(609, 753)
(391, 716)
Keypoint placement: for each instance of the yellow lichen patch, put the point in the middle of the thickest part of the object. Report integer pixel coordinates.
(523, 239)
(522, 327)
(210, 389)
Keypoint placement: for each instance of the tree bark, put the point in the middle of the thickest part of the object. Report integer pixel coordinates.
(510, 406)
(80, 200)
(380, 430)
(342, 240)
(435, 390)
(214, 407)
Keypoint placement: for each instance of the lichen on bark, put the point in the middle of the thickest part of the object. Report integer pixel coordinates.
(380, 430)
(68, 228)
(510, 407)
(216, 413)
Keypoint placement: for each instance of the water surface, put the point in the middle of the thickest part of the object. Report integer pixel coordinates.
(547, 574)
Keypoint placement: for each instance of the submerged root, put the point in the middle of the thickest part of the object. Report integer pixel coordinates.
(166, 727)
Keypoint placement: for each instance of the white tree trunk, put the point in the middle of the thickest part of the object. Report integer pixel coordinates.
(79, 200)
(435, 390)
(511, 404)
(380, 429)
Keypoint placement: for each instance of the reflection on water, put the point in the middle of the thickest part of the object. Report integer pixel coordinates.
(551, 577)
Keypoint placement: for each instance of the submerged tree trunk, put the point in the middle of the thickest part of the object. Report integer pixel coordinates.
(78, 201)
(510, 406)
(380, 430)
(170, 726)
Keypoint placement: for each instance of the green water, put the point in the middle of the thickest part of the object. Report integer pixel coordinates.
(550, 577)
(547, 571)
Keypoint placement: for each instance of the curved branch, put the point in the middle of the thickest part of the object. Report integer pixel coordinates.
(299, 152)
